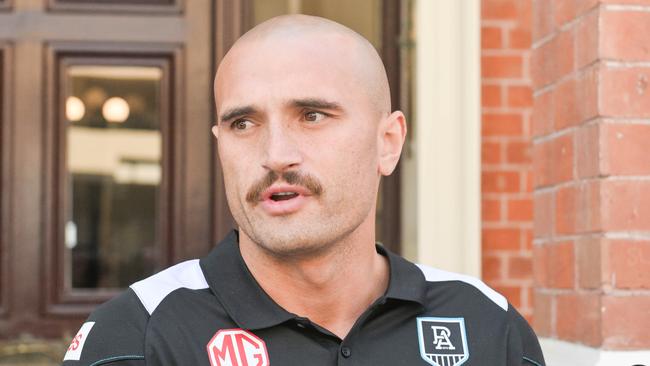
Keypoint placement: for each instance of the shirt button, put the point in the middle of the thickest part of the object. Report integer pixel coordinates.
(346, 351)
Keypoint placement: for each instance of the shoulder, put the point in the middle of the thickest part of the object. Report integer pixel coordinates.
(471, 296)
(115, 331)
(435, 275)
(153, 290)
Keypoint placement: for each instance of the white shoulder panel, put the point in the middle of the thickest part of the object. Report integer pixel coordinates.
(438, 275)
(152, 290)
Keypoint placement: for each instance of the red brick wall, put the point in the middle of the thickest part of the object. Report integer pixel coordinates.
(591, 161)
(507, 204)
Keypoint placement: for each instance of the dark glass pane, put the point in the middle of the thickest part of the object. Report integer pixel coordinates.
(114, 147)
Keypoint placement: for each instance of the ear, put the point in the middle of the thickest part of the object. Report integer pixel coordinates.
(215, 131)
(392, 132)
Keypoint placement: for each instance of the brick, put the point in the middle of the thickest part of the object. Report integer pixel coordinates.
(588, 203)
(530, 180)
(499, 9)
(588, 259)
(498, 182)
(519, 38)
(520, 267)
(563, 53)
(625, 92)
(578, 318)
(566, 210)
(561, 265)
(626, 2)
(520, 96)
(543, 23)
(625, 322)
(491, 153)
(502, 124)
(566, 105)
(561, 158)
(586, 39)
(626, 205)
(553, 160)
(624, 35)
(491, 268)
(512, 293)
(543, 70)
(544, 214)
(578, 208)
(543, 108)
(491, 38)
(629, 263)
(587, 93)
(527, 235)
(540, 265)
(520, 210)
(543, 314)
(518, 152)
(491, 96)
(563, 11)
(562, 154)
(588, 151)
(500, 239)
(506, 10)
(502, 66)
(491, 210)
(626, 150)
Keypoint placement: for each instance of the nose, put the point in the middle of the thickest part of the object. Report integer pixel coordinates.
(281, 147)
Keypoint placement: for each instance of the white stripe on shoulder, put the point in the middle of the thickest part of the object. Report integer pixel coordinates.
(152, 290)
(438, 275)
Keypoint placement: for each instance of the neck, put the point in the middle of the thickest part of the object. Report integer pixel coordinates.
(314, 287)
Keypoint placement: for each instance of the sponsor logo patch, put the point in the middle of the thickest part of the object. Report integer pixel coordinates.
(443, 341)
(237, 347)
(77, 344)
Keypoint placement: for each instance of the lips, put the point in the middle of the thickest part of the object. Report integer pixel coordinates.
(284, 199)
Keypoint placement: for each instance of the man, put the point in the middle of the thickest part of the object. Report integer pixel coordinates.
(305, 132)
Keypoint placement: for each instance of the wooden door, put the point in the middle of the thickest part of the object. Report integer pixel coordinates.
(107, 166)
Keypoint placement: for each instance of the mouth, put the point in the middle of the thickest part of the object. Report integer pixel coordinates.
(283, 196)
(284, 200)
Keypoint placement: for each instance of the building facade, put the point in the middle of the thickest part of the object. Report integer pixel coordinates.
(526, 162)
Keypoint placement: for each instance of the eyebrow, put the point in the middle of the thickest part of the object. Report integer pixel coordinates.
(315, 103)
(237, 112)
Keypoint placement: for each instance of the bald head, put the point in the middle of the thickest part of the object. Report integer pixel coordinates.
(308, 37)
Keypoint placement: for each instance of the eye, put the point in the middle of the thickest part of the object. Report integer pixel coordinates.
(314, 116)
(241, 124)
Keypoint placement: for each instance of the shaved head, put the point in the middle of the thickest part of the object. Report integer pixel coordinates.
(294, 31)
(305, 132)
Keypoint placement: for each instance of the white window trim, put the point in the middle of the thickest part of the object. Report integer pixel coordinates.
(441, 192)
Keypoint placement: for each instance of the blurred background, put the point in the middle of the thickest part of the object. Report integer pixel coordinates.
(526, 162)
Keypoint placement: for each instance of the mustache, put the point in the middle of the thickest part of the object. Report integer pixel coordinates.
(291, 177)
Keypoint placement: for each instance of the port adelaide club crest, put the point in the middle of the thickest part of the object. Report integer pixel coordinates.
(443, 341)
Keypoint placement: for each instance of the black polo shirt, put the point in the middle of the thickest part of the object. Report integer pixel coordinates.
(213, 312)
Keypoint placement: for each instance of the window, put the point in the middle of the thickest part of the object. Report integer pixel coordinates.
(111, 185)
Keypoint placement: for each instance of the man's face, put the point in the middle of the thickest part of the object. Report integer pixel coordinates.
(298, 143)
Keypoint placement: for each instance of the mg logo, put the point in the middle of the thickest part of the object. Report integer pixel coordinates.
(237, 347)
